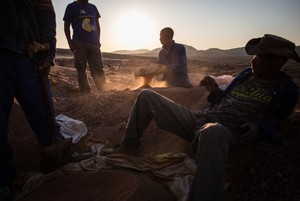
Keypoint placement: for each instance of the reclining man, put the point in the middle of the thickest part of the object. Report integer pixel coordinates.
(252, 107)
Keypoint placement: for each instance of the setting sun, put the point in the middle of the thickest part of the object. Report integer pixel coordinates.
(135, 30)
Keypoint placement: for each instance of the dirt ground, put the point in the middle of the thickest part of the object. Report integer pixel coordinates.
(257, 172)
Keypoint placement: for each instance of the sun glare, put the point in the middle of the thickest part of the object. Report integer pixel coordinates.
(135, 30)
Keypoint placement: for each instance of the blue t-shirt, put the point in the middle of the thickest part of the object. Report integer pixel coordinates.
(175, 58)
(83, 17)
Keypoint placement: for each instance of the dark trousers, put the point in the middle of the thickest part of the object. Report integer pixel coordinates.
(210, 142)
(91, 54)
(19, 80)
(168, 115)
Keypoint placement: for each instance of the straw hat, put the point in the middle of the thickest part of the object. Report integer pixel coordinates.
(274, 45)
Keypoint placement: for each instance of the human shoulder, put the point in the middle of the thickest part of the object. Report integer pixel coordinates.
(179, 45)
(95, 9)
(71, 6)
(92, 5)
(287, 80)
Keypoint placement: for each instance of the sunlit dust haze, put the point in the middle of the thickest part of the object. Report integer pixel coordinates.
(144, 81)
(135, 24)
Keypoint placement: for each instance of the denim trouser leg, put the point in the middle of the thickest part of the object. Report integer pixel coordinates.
(18, 79)
(167, 114)
(212, 142)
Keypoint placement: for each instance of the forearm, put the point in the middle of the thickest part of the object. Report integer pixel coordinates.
(67, 32)
(98, 29)
(214, 95)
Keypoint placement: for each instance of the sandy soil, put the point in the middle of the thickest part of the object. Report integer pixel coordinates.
(257, 171)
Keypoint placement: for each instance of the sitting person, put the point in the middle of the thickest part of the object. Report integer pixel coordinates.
(172, 63)
(252, 107)
(173, 57)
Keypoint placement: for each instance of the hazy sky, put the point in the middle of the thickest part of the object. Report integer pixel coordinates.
(203, 24)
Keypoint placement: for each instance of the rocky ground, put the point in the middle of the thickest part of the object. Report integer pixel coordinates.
(257, 172)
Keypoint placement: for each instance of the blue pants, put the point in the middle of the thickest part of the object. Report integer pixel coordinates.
(19, 80)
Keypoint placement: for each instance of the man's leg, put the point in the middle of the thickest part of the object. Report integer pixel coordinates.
(167, 114)
(212, 142)
(96, 66)
(80, 62)
(7, 90)
(30, 97)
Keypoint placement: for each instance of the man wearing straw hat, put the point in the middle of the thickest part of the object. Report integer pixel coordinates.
(252, 107)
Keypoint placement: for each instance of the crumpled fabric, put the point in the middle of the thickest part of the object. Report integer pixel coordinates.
(71, 128)
(176, 170)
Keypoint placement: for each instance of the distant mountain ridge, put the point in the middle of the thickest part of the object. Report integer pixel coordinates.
(192, 53)
(138, 51)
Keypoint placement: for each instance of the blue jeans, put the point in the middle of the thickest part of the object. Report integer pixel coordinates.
(91, 54)
(18, 79)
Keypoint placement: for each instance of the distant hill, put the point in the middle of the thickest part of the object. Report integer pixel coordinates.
(219, 55)
(139, 51)
(192, 52)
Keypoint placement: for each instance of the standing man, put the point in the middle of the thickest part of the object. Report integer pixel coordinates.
(25, 26)
(252, 107)
(173, 58)
(85, 43)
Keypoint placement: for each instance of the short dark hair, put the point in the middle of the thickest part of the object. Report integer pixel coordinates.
(168, 31)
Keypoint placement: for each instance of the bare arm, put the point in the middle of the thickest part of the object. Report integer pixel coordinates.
(67, 26)
(210, 84)
(98, 28)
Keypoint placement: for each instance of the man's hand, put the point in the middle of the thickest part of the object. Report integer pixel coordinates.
(45, 68)
(72, 46)
(251, 133)
(209, 83)
(162, 68)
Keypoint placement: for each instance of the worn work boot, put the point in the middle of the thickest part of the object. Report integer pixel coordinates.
(61, 153)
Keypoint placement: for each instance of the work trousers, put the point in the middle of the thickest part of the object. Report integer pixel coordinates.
(210, 142)
(89, 54)
(18, 79)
